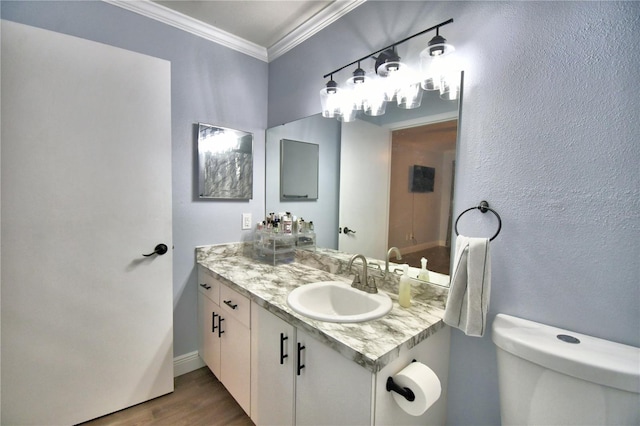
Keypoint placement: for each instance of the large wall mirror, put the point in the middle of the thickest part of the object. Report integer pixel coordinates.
(365, 181)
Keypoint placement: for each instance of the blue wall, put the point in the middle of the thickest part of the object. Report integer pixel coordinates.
(232, 96)
(549, 136)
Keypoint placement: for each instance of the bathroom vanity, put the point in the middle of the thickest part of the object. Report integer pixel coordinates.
(285, 368)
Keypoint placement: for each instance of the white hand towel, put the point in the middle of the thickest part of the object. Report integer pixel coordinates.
(468, 299)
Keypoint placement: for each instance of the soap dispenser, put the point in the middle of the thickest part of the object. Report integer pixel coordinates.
(424, 273)
(404, 288)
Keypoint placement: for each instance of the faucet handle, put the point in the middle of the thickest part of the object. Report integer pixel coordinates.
(371, 286)
(356, 279)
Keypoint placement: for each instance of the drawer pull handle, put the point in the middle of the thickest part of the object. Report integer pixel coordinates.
(231, 305)
(220, 331)
(207, 287)
(300, 365)
(282, 354)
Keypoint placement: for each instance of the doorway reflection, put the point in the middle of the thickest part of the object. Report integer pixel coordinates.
(420, 215)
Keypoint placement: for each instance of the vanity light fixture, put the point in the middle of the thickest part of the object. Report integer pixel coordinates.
(330, 99)
(392, 80)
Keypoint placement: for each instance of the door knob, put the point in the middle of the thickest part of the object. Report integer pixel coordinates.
(159, 250)
(348, 231)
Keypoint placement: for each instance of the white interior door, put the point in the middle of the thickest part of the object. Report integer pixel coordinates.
(365, 162)
(86, 190)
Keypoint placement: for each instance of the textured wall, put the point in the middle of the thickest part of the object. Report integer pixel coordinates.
(549, 136)
(233, 96)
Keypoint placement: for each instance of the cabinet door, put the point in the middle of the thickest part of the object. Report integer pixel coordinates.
(209, 343)
(272, 362)
(236, 360)
(330, 389)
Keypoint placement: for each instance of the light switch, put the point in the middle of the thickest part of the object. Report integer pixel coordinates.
(246, 220)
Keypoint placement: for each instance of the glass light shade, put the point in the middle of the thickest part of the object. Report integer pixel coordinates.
(330, 102)
(347, 116)
(439, 49)
(388, 68)
(358, 90)
(348, 106)
(374, 102)
(450, 85)
(409, 96)
(392, 79)
(432, 68)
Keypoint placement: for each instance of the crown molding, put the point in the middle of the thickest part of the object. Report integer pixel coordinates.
(186, 23)
(322, 19)
(163, 14)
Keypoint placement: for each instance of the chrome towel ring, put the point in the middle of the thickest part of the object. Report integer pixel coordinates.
(483, 207)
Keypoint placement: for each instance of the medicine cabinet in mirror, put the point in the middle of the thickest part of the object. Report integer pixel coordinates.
(298, 170)
(225, 163)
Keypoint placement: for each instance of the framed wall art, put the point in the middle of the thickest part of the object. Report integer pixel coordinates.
(225, 163)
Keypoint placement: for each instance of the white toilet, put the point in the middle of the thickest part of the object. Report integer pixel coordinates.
(550, 376)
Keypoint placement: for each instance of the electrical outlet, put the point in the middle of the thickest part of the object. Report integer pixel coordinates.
(246, 220)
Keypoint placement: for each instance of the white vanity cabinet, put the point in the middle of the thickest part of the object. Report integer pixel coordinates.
(298, 380)
(208, 310)
(225, 336)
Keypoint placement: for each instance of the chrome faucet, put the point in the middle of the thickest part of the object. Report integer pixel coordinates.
(368, 284)
(398, 257)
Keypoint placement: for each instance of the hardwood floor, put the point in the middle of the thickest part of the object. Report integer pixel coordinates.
(198, 399)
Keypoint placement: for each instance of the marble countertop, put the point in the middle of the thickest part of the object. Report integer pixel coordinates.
(372, 344)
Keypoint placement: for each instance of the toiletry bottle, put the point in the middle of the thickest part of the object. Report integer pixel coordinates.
(404, 288)
(287, 224)
(424, 273)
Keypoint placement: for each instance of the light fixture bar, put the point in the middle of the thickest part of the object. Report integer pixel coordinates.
(435, 27)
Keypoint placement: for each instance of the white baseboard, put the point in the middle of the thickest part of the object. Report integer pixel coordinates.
(187, 363)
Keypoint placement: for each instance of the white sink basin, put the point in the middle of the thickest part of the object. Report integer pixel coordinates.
(336, 301)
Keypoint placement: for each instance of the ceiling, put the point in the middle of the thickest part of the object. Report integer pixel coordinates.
(264, 29)
(261, 22)
(441, 136)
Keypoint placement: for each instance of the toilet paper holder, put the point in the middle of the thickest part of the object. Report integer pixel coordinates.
(405, 392)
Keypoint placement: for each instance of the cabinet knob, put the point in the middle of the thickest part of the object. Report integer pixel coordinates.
(206, 287)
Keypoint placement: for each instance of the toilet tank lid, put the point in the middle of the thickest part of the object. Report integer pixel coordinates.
(593, 359)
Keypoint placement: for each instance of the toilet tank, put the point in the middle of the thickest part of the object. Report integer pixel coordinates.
(550, 376)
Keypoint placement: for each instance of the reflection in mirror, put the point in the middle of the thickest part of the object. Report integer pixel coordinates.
(225, 163)
(298, 170)
(421, 196)
(373, 157)
(323, 211)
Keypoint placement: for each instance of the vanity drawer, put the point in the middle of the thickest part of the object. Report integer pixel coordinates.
(208, 286)
(235, 305)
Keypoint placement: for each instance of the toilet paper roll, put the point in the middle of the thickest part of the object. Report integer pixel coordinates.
(423, 382)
